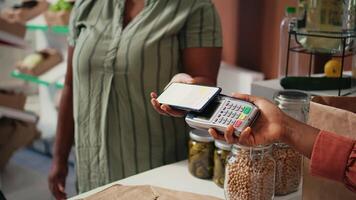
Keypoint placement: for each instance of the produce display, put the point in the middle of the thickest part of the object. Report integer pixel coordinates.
(58, 14)
(39, 62)
(330, 81)
(250, 175)
(288, 169)
(61, 5)
(200, 160)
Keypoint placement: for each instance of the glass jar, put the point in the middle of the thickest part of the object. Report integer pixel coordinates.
(288, 169)
(327, 18)
(294, 103)
(288, 161)
(250, 173)
(201, 154)
(222, 150)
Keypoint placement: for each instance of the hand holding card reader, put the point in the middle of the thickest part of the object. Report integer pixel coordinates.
(208, 109)
(222, 112)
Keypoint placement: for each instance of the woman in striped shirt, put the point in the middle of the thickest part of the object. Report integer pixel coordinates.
(119, 52)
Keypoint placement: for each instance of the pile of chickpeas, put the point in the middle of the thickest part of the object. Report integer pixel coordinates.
(288, 169)
(248, 178)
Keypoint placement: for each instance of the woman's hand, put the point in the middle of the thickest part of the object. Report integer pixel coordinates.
(203, 64)
(57, 179)
(166, 109)
(268, 128)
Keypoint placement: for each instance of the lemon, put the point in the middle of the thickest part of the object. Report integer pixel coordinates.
(332, 68)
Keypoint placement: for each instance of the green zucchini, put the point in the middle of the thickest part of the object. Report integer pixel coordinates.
(315, 83)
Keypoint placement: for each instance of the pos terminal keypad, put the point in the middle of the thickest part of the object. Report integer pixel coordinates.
(232, 113)
(221, 113)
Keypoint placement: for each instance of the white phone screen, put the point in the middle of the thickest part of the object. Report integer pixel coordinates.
(185, 96)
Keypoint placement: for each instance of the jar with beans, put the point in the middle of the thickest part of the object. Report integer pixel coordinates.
(288, 161)
(222, 150)
(250, 173)
(201, 154)
(288, 169)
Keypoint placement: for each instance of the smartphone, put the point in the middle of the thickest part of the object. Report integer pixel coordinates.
(188, 97)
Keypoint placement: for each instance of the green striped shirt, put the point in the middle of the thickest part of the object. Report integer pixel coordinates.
(117, 132)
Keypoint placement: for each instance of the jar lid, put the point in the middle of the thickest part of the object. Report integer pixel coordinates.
(255, 148)
(291, 96)
(223, 145)
(200, 136)
(281, 145)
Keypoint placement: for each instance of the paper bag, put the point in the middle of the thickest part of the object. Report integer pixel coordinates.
(145, 192)
(337, 115)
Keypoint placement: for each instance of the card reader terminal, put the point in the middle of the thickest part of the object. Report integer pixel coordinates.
(222, 112)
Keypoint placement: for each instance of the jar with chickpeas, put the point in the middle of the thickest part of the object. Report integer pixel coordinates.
(250, 173)
(288, 161)
(288, 169)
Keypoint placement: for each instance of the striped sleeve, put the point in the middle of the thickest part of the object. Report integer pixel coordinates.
(203, 28)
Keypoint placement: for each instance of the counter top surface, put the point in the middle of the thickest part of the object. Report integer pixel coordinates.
(176, 177)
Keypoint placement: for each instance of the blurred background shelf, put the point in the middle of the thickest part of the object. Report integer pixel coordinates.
(55, 76)
(29, 78)
(55, 29)
(39, 24)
